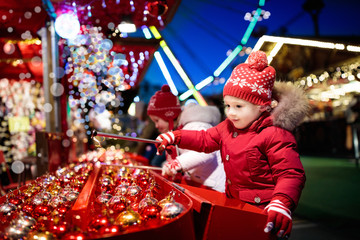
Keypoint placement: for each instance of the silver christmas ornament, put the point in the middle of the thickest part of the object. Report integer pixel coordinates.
(171, 210)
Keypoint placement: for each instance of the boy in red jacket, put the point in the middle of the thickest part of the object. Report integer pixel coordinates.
(257, 147)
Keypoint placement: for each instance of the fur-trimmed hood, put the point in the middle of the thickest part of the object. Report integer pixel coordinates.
(292, 105)
(197, 113)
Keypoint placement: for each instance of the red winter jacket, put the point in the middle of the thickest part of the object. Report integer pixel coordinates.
(260, 162)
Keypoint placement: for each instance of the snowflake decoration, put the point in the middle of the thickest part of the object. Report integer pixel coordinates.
(256, 88)
(238, 81)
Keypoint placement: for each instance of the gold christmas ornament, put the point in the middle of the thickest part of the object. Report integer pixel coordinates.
(128, 218)
(41, 235)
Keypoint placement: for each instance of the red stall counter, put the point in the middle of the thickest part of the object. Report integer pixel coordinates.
(219, 217)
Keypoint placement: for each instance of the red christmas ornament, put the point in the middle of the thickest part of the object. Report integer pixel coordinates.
(150, 212)
(157, 8)
(42, 210)
(27, 208)
(118, 203)
(62, 210)
(58, 227)
(15, 200)
(77, 188)
(6, 218)
(105, 188)
(42, 222)
(74, 236)
(114, 229)
(98, 222)
(59, 211)
(143, 182)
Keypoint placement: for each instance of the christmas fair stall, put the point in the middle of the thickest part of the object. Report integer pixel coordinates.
(59, 204)
(22, 108)
(89, 191)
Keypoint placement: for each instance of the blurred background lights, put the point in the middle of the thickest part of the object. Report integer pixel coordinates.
(67, 25)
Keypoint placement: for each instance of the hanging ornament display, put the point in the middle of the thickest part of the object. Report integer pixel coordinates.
(22, 113)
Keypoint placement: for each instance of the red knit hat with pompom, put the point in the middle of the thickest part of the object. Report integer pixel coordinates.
(165, 105)
(252, 81)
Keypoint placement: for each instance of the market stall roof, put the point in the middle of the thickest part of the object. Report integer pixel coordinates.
(20, 51)
(294, 58)
(327, 68)
(110, 13)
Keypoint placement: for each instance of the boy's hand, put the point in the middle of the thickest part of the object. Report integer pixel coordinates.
(171, 168)
(169, 138)
(279, 219)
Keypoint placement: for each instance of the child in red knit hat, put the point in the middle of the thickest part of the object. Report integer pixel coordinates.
(199, 169)
(257, 147)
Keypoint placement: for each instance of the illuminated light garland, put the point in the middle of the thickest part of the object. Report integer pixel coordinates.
(227, 61)
(36, 41)
(166, 73)
(353, 48)
(262, 3)
(178, 67)
(205, 82)
(251, 26)
(231, 57)
(146, 32)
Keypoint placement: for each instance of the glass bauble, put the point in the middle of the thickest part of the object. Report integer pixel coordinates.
(128, 218)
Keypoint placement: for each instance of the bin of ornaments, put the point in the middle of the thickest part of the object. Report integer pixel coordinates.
(106, 195)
